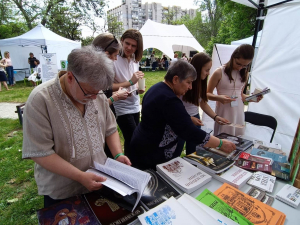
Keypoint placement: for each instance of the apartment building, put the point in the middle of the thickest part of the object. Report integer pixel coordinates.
(134, 14)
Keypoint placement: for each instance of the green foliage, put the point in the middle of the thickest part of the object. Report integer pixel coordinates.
(87, 40)
(238, 22)
(114, 26)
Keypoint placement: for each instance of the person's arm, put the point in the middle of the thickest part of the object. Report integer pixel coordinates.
(134, 79)
(213, 82)
(55, 164)
(118, 95)
(225, 145)
(28, 61)
(206, 108)
(114, 144)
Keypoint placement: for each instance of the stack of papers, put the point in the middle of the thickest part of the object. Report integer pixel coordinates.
(289, 195)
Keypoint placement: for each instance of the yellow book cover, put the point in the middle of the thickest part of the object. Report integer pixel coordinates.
(255, 211)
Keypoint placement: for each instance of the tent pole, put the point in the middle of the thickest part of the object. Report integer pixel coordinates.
(260, 12)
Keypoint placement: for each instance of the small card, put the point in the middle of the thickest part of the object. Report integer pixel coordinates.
(234, 103)
(267, 200)
(256, 193)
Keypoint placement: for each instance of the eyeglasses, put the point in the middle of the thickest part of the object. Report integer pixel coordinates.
(85, 94)
(238, 64)
(115, 40)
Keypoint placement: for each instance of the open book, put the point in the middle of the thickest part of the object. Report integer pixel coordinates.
(122, 178)
(258, 93)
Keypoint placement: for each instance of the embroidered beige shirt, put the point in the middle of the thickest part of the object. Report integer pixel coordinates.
(52, 124)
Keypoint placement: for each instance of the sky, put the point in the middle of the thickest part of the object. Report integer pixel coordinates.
(184, 4)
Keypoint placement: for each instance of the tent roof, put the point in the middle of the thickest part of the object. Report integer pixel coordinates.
(166, 37)
(38, 36)
(267, 2)
(248, 40)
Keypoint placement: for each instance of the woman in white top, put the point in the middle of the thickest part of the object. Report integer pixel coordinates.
(127, 75)
(197, 97)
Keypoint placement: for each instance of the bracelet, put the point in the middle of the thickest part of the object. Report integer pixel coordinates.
(131, 82)
(215, 117)
(112, 99)
(117, 156)
(220, 145)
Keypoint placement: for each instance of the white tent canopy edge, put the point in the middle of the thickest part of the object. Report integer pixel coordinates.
(168, 38)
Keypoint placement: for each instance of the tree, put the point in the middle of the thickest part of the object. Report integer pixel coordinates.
(238, 22)
(68, 15)
(113, 26)
(168, 16)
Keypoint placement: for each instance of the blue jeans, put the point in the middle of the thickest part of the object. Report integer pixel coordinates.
(190, 146)
(10, 73)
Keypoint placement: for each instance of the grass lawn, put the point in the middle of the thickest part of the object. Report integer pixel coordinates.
(19, 200)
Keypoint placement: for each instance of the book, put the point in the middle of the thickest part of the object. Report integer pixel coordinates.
(269, 149)
(74, 210)
(262, 181)
(253, 166)
(232, 155)
(168, 212)
(122, 178)
(234, 176)
(253, 209)
(256, 193)
(281, 170)
(203, 213)
(267, 199)
(269, 145)
(272, 155)
(183, 175)
(157, 191)
(255, 158)
(211, 200)
(289, 195)
(240, 143)
(208, 161)
(109, 212)
(257, 93)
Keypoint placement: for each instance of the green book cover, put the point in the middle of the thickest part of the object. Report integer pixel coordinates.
(208, 198)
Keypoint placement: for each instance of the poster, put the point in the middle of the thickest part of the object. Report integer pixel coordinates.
(49, 66)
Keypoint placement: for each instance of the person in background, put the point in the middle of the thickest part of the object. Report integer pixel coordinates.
(175, 59)
(111, 46)
(127, 75)
(9, 68)
(184, 57)
(164, 118)
(166, 62)
(3, 78)
(66, 122)
(230, 80)
(34, 76)
(153, 62)
(31, 61)
(198, 97)
(190, 59)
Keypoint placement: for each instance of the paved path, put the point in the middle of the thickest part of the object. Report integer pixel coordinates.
(7, 110)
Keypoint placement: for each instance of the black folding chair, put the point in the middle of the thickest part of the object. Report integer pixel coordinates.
(261, 120)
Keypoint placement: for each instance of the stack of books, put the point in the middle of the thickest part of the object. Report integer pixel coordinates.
(274, 156)
(253, 209)
(240, 143)
(289, 195)
(254, 163)
(183, 175)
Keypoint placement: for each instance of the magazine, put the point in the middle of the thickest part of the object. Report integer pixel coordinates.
(240, 143)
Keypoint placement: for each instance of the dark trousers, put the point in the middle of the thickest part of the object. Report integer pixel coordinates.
(10, 73)
(48, 201)
(127, 124)
(189, 146)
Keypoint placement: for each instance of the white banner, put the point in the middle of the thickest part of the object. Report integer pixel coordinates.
(49, 66)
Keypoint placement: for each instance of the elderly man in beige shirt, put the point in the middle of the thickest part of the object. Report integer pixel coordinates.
(67, 120)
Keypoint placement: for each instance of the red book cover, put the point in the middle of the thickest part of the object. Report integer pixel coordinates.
(254, 166)
(249, 157)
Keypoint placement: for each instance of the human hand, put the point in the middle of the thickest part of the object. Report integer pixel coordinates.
(196, 121)
(92, 181)
(258, 98)
(221, 120)
(136, 76)
(124, 159)
(224, 99)
(122, 93)
(227, 146)
(142, 91)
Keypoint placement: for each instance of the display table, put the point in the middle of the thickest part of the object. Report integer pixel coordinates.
(24, 70)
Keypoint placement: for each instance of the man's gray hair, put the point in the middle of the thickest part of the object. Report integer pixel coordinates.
(92, 67)
(182, 69)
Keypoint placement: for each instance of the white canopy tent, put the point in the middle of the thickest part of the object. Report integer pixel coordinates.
(277, 67)
(33, 41)
(248, 40)
(169, 38)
